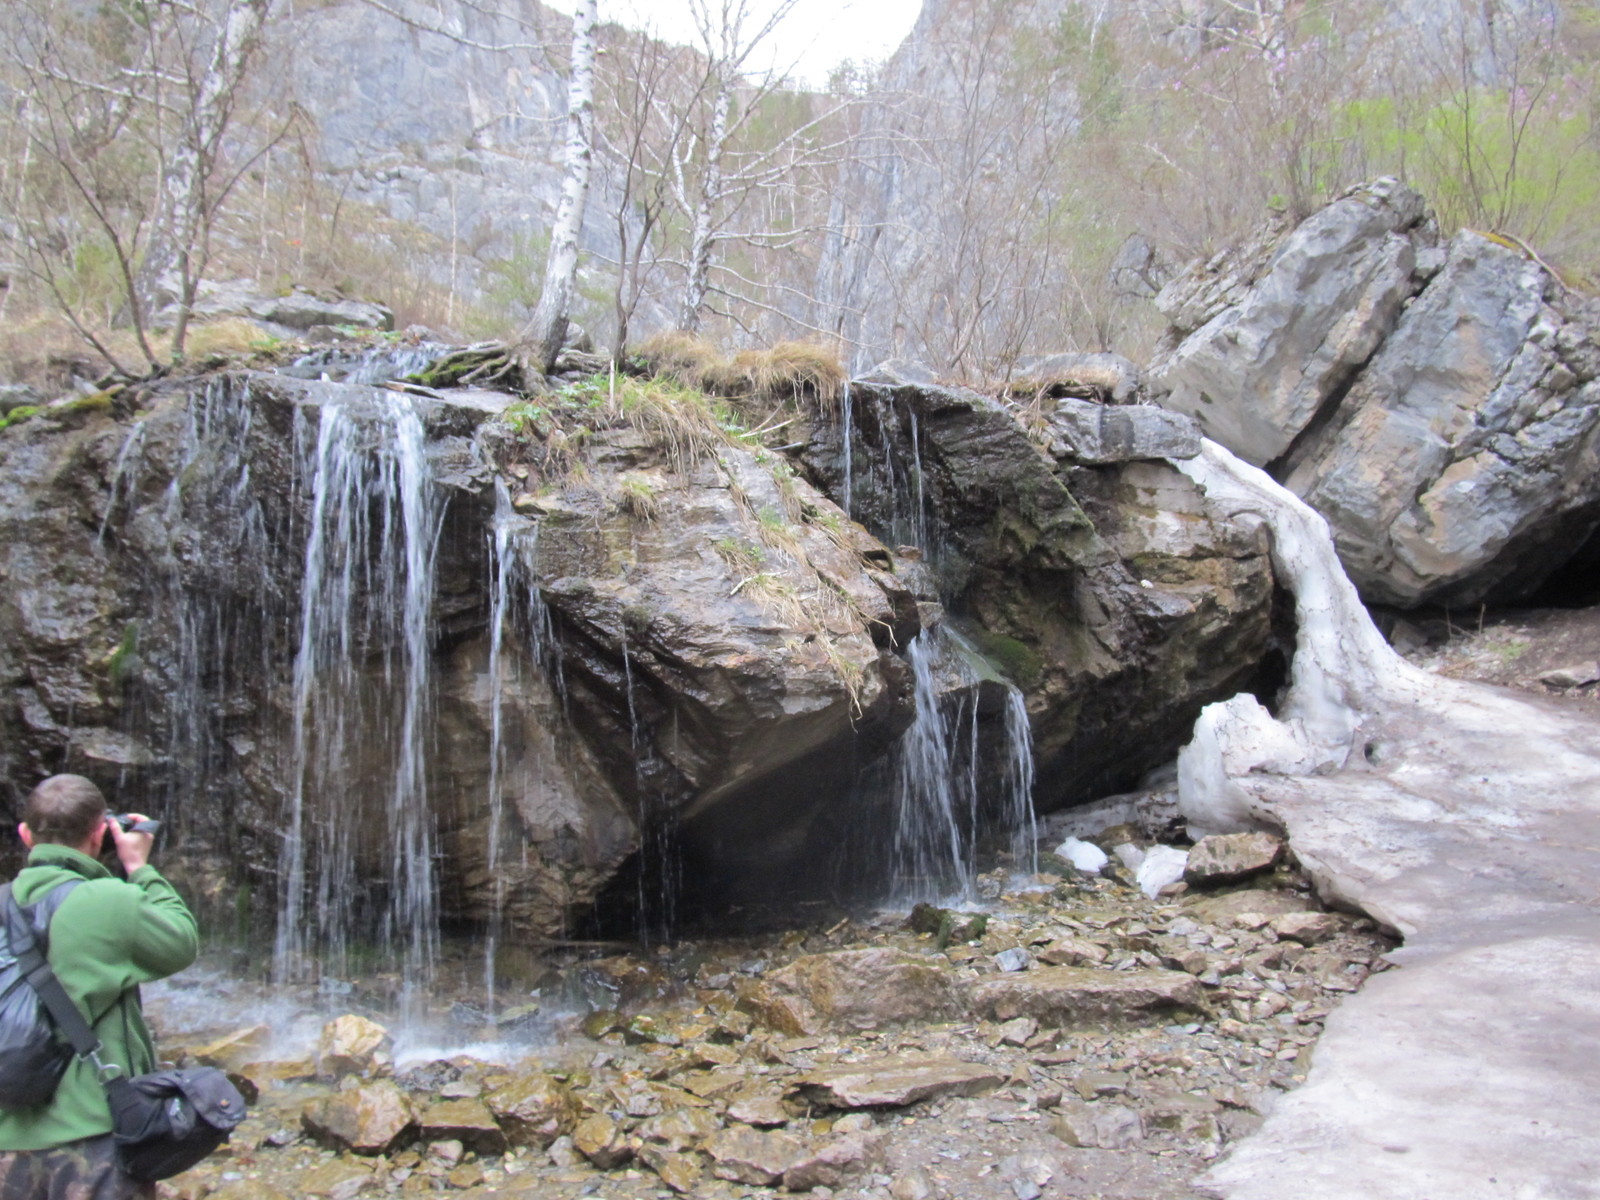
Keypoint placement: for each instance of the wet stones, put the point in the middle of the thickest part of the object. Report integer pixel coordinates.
(602, 1141)
(533, 1109)
(680, 1091)
(856, 989)
(367, 1120)
(352, 1045)
(1071, 996)
(464, 1120)
(1231, 857)
(234, 1049)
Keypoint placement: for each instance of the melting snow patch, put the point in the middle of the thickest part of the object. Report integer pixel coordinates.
(1084, 855)
(1162, 865)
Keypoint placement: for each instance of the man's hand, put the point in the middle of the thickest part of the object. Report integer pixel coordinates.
(133, 849)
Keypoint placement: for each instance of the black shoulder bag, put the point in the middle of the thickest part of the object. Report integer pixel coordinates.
(164, 1122)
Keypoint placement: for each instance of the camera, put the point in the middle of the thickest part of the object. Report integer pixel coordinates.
(130, 824)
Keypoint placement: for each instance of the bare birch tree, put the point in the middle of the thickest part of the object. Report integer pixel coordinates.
(177, 247)
(547, 330)
(737, 156)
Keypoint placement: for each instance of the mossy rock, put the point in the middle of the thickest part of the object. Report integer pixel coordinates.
(1016, 660)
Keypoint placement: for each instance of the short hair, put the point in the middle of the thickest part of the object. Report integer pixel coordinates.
(64, 809)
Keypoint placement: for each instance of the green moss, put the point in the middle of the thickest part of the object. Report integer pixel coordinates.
(1017, 661)
(94, 402)
(18, 415)
(636, 619)
(123, 662)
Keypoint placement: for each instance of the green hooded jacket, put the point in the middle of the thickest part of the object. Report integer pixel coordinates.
(106, 938)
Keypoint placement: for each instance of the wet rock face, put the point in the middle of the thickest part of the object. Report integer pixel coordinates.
(1114, 595)
(1437, 404)
(654, 666)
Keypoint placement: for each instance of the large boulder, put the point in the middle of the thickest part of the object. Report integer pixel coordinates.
(1436, 404)
(1464, 464)
(676, 640)
(1256, 348)
(1107, 588)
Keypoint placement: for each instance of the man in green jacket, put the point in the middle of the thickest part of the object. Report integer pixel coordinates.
(105, 939)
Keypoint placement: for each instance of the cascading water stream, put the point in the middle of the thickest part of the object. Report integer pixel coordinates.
(943, 801)
(366, 594)
(413, 905)
(958, 773)
(847, 470)
(369, 365)
(501, 564)
(122, 476)
(931, 848)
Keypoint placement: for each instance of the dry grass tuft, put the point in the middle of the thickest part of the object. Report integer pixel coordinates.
(682, 357)
(228, 338)
(792, 372)
(640, 495)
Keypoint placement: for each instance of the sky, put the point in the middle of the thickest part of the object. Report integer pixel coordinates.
(814, 38)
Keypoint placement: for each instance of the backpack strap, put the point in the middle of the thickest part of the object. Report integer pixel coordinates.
(36, 968)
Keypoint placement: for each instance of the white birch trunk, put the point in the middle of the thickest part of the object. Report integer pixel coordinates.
(168, 271)
(548, 328)
(702, 239)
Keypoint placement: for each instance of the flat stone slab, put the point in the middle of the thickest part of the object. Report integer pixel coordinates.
(896, 1082)
(1230, 857)
(1065, 996)
(856, 989)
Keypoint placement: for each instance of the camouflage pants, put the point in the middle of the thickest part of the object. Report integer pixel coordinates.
(85, 1170)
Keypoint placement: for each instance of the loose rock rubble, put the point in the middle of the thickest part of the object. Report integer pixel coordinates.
(882, 1059)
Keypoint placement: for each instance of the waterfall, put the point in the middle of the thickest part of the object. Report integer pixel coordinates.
(1017, 787)
(846, 434)
(215, 533)
(368, 365)
(950, 787)
(367, 590)
(122, 477)
(523, 656)
(413, 901)
(932, 849)
(501, 569)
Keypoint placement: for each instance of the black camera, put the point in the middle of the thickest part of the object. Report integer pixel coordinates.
(130, 824)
